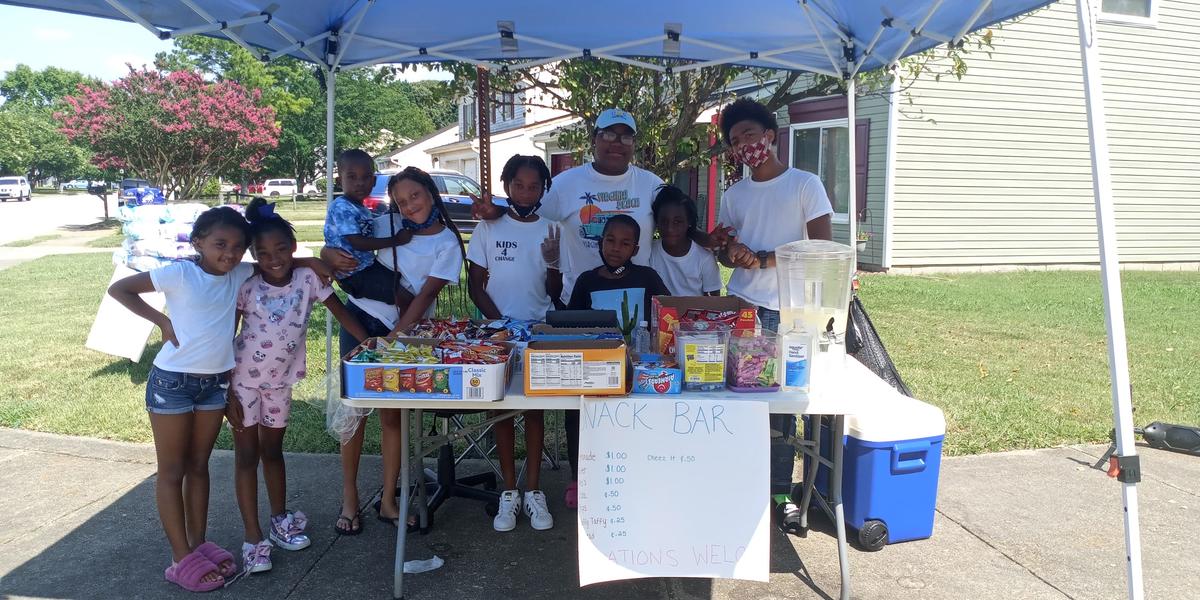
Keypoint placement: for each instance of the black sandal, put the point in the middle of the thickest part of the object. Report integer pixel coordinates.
(350, 530)
(413, 522)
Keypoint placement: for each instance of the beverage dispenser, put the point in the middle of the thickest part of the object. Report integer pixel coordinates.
(814, 290)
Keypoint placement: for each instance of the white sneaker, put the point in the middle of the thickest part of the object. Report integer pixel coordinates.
(537, 511)
(510, 507)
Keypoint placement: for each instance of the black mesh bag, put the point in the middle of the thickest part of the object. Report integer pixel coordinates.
(863, 343)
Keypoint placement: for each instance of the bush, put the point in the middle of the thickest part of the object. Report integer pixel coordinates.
(212, 187)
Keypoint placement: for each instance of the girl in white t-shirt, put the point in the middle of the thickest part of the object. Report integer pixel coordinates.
(514, 272)
(188, 387)
(432, 260)
(685, 266)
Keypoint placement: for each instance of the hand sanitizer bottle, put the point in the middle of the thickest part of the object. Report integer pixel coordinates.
(796, 353)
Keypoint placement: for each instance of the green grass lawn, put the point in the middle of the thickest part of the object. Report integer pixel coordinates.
(1015, 360)
(31, 241)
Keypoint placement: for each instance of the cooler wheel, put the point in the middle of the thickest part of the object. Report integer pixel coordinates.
(873, 536)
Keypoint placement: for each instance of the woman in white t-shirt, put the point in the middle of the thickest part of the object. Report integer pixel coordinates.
(686, 267)
(514, 272)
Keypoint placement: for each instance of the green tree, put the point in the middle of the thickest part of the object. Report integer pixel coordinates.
(667, 106)
(375, 110)
(31, 143)
(23, 85)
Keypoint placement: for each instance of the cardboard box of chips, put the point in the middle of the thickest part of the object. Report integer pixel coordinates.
(667, 311)
(420, 368)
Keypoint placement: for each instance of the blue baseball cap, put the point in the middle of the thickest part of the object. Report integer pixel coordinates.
(615, 116)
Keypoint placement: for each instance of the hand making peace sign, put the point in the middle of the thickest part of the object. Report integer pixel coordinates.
(550, 247)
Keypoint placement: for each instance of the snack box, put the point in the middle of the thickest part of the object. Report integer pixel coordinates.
(576, 367)
(550, 333)
(667, 310)
(656, 374)
(461, 381)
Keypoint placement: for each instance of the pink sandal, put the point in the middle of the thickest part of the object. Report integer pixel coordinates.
(218, 556)
(572, 498)
(189, 573)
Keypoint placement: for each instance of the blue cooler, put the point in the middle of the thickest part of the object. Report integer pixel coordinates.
(892, 458)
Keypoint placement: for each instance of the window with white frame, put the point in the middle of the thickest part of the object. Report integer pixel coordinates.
(823, 148)
(1128, 11)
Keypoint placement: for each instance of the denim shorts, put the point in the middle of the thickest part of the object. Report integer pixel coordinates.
(171, 393)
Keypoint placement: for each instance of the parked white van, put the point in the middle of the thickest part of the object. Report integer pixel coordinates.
(15, 187)
(280, 187)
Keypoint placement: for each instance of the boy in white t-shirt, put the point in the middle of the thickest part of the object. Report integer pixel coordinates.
(514, 272)
(687, 268)
(776, 205)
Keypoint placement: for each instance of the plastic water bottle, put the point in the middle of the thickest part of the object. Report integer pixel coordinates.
(796, 350)
(641, 338)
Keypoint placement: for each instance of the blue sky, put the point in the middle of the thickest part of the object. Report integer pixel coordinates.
(97, 47)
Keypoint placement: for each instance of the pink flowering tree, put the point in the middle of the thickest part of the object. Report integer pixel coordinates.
(175, 129)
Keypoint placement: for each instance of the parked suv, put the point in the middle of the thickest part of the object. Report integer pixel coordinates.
(454, 187)
(280, 187)
(15, 187)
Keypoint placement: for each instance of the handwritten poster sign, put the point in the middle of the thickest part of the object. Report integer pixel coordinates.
(117, 331)
(673, 488)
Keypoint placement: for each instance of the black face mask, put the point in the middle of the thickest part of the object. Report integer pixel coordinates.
(525, 211)
(618, 269)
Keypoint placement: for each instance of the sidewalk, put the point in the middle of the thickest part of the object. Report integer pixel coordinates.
(77, 521)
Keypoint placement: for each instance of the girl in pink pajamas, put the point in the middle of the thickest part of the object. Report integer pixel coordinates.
(269, 351)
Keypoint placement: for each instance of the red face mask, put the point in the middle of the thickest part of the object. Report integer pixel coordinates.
(755, 154)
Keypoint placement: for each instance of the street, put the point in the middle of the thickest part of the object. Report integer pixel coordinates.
(45, 213)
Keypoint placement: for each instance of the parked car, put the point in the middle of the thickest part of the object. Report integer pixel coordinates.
(452, 186)
(15, 187)
(280, 187)
(76, 184)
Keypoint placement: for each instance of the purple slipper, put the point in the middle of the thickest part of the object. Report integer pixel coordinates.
(218, 556)
(189, 573)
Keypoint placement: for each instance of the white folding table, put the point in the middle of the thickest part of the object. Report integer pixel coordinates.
(837, 402)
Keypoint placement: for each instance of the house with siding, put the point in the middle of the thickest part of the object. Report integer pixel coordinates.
(994, 171)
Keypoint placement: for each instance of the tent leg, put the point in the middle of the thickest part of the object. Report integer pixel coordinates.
(1110, 275)
(330, 77)
(851, 142)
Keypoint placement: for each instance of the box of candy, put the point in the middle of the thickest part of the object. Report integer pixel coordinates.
(753, 361)
(656, 374)
(422, 368)
(700, 348)
(668, 311)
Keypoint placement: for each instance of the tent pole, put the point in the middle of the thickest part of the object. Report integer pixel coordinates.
(1110, 275)
(851, 135)
(330, 78)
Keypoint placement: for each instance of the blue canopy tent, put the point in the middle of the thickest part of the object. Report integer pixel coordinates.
(834, 37)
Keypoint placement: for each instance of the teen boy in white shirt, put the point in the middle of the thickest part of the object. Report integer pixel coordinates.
(776, 205)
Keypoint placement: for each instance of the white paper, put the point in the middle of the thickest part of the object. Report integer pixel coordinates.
(673, 488)
(117, 331)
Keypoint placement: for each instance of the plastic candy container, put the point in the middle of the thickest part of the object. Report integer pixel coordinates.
(753, 362)
(700, 348)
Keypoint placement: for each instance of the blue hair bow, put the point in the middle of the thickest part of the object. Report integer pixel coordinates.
(267, 211)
